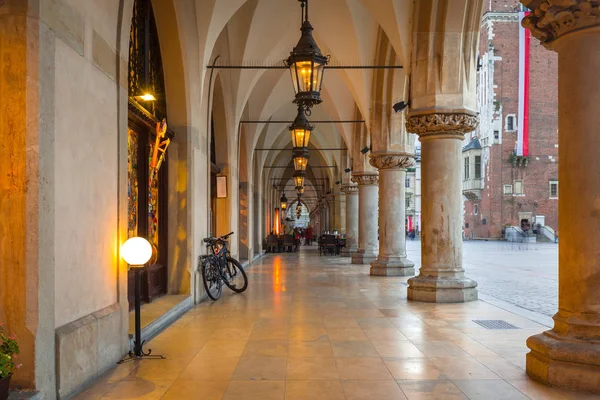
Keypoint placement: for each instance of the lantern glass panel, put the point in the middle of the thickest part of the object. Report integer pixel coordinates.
(300, 163)
(300, 137)
(307, 76)
(299, 180)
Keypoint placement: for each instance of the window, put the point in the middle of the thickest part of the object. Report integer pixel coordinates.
(518, 187)
(496, 135)
(407, 203)
(554, 189)
(466, 175)
(510, 123)
(475, 209)
(477, 167)
(407, 182)
(508, 189)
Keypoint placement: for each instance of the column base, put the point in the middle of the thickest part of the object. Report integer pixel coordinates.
(347, 252)
(392, 266)
(363, 257)
(564, 361)
(433, 289)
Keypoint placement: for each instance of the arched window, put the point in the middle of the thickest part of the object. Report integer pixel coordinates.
(510, 123)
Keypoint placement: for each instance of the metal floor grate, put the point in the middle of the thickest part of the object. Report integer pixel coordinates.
(494, 324)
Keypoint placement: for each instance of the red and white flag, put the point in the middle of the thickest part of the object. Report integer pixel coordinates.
(523, 119)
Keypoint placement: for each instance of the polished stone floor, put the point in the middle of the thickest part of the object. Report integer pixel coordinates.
(313, 327)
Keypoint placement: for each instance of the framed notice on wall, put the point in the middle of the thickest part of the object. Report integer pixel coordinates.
(221, 187)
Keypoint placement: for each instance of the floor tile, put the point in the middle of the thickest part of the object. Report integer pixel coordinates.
(362, 369)
(311, 369)
(266, 348)
(370, 390)
(192, 390)
(210, 369)
(397, 349)
(222, 348)
(413, 369)
(353, 349)
(463, 368)
(346, 334)
(314, 390)
(137, 389)
(341, 322)
(255, 390)
(489, 390)
(431, 390)
(261, 368)
(316, 348)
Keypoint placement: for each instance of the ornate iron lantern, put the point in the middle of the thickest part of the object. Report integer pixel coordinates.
(299, 179)
(300, 158)
(300, 130)
(307, 65)
(283, 202)
(300, 190)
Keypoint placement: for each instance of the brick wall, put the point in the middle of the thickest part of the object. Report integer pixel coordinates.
(500, 38)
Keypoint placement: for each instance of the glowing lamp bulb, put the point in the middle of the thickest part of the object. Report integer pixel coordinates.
(136, 251)
(148, 97)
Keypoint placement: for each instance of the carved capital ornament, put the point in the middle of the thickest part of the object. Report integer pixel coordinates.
(455, 124)
(349, 189)
(555, 18)
(389, 161)
(364, 180)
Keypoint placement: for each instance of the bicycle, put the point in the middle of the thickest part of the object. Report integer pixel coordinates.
(219, 267)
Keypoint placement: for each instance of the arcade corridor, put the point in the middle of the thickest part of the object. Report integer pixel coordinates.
(313, 327)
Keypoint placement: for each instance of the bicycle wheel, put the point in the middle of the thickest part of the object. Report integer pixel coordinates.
(234, 276)
(212, 281)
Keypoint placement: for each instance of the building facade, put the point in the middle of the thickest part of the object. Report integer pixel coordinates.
(510, 163)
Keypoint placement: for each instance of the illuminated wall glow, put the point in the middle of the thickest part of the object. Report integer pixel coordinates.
(276, 223)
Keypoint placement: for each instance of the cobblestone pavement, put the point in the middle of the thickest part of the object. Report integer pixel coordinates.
(525, 275)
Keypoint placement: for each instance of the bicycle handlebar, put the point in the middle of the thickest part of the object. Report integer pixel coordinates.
(211, 239)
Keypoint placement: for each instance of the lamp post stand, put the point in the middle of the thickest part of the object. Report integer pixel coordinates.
(138, 353)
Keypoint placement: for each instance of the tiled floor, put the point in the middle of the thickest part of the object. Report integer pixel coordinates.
(313, 327)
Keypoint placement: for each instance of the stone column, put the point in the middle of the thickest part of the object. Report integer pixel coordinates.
(569, 355)
(368, 244)
(392, 259)
(442, 277)
(351, 220)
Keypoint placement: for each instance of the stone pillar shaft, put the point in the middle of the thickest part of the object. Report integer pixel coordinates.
(441, 278)
(569, 355)
(392, 260)
(351, 221)
(368, 245)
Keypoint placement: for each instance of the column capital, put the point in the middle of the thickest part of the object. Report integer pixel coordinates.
(392, 161)
(365, 179)
(552, 19)
(349, 189)
(443, 124)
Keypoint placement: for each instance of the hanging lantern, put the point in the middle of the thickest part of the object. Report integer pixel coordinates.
(283, 202)
(300, 130)
(300, 158)
(300, 190)
(307, 64)
(299, 179)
